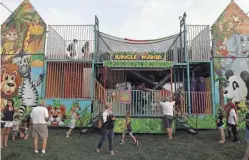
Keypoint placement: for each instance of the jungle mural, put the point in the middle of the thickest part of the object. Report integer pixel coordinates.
(22, 49)
(59, 112)
(23, 30)
(231, 62)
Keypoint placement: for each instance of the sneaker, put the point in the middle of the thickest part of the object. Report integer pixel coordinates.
(97, 150)
(235, 141)
(136, 143)
(112, 153)
(36, 151)
(122, 142)
(67, 136)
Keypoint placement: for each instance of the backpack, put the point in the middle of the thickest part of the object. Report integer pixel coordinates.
(100, 122)
(69, 47)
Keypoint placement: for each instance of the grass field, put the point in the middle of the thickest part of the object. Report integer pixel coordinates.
(184, 146)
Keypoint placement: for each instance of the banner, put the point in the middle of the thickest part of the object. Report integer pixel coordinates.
(125, 96)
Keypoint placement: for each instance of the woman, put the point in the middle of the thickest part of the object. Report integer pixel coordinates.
(7, 122)
(108, 129)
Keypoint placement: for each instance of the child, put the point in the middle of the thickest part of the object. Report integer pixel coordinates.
(220, 125)
(16, 126)
(73, 117)
(25, 128)
(128, 129)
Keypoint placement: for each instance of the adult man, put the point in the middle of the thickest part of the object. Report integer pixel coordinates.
(39, 118)
(227, 109)
(233, 122)
(107, 129)
(168, 109)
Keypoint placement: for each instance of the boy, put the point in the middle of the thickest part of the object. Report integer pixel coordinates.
(73, 118)
(233, 121)
(128, 129)
(16, 127)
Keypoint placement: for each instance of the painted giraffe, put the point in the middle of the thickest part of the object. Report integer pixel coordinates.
(27, 91)
(33, 29)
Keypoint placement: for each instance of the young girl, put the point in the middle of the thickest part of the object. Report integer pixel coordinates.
(73, 117)
(25, 128)
(220, 125)
(16, 127)
(128, 129)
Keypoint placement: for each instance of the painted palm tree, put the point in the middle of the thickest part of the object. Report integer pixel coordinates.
(20, 21)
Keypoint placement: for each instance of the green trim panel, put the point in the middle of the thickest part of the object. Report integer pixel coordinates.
(139, 64)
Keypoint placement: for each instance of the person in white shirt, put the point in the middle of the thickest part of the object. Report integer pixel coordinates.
(72, 47)
(168, 112)
(233, 121)
(39, 117)
(108, 129)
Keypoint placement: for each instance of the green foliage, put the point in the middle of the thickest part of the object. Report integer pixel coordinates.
(206, 122)
(141, 125)
(156, 64)
(84, 119)
(222, 80)
(56, 104)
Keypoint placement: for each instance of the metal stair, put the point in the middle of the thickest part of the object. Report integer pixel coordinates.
(183, 121)
(90, 125)
(92, 119)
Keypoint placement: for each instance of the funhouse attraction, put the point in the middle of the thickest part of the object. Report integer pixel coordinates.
(80, 66)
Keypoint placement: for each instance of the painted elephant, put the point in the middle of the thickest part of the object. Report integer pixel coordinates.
(238, 58)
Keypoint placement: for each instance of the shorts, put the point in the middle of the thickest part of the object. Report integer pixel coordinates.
(178, 103)
(71, 124)
(6, 124)
(168, 120)
(40, 130)
(220, 127)
(15, 133)
(129, 131)
(227, 124)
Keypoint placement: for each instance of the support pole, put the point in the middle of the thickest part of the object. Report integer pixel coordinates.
(105, 72)
(212, 86)
(175, 79)
(189, 95)
(43, 88)
(171, 80)
(92, 91)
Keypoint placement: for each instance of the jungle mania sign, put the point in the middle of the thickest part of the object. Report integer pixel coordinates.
(138, 56)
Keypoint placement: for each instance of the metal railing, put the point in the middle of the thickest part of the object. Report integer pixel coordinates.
(145, 103)
(61, 36)
(68, 80)
(199, 42)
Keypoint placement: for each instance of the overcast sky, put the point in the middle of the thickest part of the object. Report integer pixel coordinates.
(136, 19)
